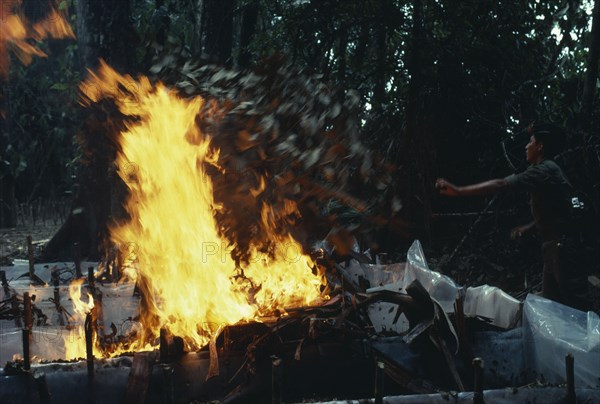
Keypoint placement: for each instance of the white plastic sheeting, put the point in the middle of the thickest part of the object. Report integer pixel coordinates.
(48, 341)
(486, 301)
(551, 331)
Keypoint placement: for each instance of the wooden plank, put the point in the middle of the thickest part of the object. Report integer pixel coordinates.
(404, 377)
(139, 377)
(448, 357)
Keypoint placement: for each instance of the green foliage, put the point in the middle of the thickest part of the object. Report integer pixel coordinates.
(485, 70)
(488, 67)
(42, 112)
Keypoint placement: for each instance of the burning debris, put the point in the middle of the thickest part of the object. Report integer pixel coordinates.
(387, 330)
(181, 255)
(217, 199)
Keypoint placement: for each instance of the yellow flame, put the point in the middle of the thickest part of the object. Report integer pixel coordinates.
(16, 31)
(191, 286)
(74, 337)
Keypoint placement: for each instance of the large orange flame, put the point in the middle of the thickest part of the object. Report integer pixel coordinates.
(191, 286)
(16, 32)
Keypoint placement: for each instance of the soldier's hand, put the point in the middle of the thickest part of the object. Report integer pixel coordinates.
(518, 232)
(446, 188)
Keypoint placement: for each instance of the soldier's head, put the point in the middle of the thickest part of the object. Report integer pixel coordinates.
(549, 139)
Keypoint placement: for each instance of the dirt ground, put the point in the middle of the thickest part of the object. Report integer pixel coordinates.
(13, 242)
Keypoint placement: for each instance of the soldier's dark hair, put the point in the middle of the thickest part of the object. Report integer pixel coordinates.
(550, 135)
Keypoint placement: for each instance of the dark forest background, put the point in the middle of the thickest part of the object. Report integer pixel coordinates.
(446, 88)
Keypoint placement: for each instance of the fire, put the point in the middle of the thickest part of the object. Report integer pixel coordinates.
(190, 284)
(81, 308)
(74, 339)
(16, 31)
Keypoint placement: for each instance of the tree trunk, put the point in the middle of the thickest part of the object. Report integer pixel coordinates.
(197, 7)
(8, 202)
(103, 31)
(341, 54)
(8, 210)
(218, 29)
(591, 75)
(420, 179)
(381, 62)
(249, 19)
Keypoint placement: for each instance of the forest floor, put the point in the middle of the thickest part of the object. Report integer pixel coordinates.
(13, 241)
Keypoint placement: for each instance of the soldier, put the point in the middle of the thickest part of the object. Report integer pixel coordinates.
(550, 190)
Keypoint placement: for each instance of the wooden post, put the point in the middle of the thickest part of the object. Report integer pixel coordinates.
(26, 333)
(42, 386)
(139, 377)
(163, 347)
(226, 343)
(31, 258)
(54, 277)
(61, 320)
(55, 280)
(26, 354)
(570, 367)
(27, 316)
(91, 278)
(4, 283)
(168, 374)
(379, 378)
(89, 345)
(276, 380)
(9, 294)
(116, 266)
(77, 259)
(461, 326)
(478, 365)
(434, 334)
